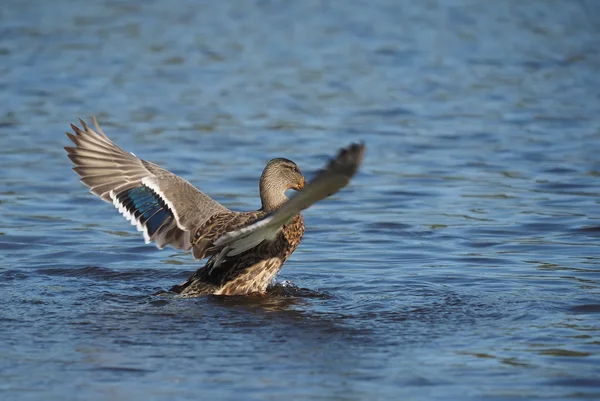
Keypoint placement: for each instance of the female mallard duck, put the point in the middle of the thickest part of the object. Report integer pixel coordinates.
(246, 249)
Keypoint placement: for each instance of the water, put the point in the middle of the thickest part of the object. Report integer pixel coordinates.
(461, 263)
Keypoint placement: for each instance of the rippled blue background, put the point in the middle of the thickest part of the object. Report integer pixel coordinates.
(461, 263)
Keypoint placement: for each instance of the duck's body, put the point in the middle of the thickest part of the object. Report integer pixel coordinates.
(246, 249)
(249, 272)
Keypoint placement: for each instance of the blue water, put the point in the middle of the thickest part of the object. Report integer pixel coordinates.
(462, 263)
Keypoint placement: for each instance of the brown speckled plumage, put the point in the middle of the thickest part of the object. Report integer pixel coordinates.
(248, 272)
(245, 249)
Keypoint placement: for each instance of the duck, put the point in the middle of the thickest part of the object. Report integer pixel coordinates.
(245, 249)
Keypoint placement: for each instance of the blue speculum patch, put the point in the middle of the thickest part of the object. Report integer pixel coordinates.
(146, 206)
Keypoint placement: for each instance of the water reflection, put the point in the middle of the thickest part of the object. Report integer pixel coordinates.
(464, 252)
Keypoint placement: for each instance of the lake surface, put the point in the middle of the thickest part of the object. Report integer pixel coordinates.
(462, 262)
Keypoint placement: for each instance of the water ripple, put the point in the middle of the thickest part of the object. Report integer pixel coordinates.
(465, 251)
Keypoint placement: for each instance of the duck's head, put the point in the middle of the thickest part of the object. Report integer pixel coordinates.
(278, 176)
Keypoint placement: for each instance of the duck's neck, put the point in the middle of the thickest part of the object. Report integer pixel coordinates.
(272, 193)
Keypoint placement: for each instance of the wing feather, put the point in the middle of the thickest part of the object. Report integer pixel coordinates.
(174, 207)
(331, 179)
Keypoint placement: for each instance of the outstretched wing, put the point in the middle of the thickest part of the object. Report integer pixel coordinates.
(165, 207)
(335, 176)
